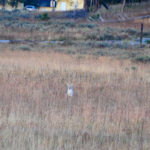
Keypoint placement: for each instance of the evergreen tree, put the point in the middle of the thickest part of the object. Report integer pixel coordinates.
(31, 2)
(3, 3)
(13, 3)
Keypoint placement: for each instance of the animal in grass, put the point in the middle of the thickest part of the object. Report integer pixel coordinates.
(70, 91)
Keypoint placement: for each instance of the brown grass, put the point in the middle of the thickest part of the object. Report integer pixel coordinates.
(110, 108)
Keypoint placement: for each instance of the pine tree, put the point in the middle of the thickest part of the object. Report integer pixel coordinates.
(3, 3)
(13, 3)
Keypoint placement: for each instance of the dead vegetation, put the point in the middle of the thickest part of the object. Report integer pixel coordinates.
(110, 108)
(111, 105)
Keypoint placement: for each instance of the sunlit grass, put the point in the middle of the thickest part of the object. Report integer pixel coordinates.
(110, 108)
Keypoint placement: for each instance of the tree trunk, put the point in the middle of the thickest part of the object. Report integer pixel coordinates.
(123, 5)
(3, 3)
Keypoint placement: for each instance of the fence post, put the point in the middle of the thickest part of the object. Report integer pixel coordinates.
(141, 34)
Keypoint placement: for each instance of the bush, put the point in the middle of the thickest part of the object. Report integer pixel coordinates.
(70, 24)
(91, 9)
(143, 59)
(44, 16)
(106, 37)
(148, 41)
(146, 34)
(91, 26)
(92, 36)
(132, 31)
(25, 16)
(25, 48)
(109, 37)
(95, 17)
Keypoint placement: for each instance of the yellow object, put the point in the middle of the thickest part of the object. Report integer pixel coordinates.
(65, 5)
(61, 5)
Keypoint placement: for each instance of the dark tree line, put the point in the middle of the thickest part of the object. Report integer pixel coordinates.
(95, 4)
(3, 2)
(14, 3)
(127, 1)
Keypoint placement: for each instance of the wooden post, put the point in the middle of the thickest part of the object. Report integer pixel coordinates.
(141, 34)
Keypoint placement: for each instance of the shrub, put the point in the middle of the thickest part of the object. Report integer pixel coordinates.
(67, 42)
(92, 36)
(146, 34)
(148, 41)
(132, 31)
(69, 51)
(25, 16)
(25, 48)
(91, 9)
(106, 37)
(134, 68)
(44, 16)
(95, 17)
(143, 59)
(70, 24)
(91, 26)
(109, 37)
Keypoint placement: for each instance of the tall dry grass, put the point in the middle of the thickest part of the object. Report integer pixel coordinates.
(109, 111)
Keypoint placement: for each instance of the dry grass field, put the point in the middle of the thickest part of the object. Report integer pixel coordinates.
(110, 109)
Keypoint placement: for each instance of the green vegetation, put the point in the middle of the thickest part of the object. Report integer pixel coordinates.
(25, 47)
(148, 41)
(44, 16)
(143, 59)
